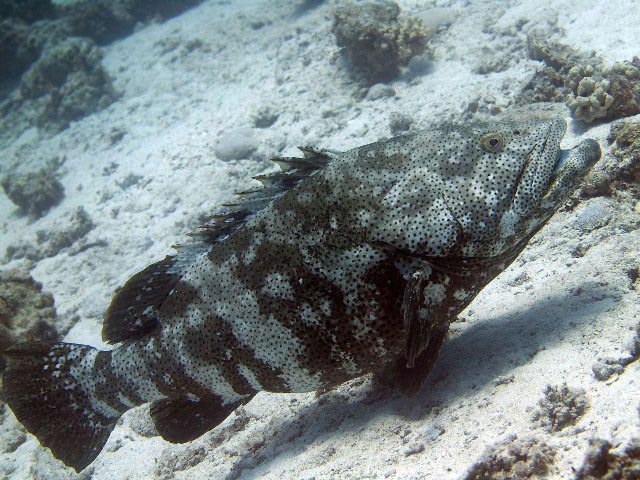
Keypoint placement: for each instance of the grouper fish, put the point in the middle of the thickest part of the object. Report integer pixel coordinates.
(342, 264)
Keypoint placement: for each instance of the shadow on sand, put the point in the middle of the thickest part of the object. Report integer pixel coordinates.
(487, 349)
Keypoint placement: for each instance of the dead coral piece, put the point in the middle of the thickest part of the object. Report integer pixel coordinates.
(605, 368)
(68, 82)
(548, 84)
(34, 192)
(591, 90)
(621, 171)
(26, 312)
(625, 171)
(589, 98)
(611, 93)
(561, 407)
(377, 43)
(624, 80)
(601, 464)
(514, 459)
(557, 56)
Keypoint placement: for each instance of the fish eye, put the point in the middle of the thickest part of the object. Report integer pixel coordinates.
(492, 143)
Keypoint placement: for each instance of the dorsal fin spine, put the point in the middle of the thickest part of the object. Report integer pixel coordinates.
(133, 310)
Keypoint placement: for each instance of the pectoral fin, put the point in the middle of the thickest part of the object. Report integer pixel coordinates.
(424, 336)
(410, 380)
(415, 319)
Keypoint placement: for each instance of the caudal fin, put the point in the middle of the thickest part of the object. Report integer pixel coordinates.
(51, 389)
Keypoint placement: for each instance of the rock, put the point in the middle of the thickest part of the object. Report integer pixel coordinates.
(26, 312)
(48, 243)
(69, 82)
(400, 123)
(265, 117)
(100, 20)
(418, 65)
(600, 463)
(605, 369)
(380, 90)
(438, 17)
(597, 184)
(34, 192)
(22, 44)
(27, 10)
(557, 56)
(592, 215)
(236, 144)
(28, 26)
(107, 20)
(376, 41)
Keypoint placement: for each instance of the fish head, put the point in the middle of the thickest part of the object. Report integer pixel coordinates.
(514, 178)
(483, 189)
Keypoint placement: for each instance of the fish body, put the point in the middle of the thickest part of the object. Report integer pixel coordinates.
(343, 264)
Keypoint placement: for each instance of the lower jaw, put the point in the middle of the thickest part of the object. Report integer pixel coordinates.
(561, 160)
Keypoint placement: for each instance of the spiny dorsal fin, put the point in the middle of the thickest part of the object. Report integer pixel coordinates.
(134, 309)
(294, 170)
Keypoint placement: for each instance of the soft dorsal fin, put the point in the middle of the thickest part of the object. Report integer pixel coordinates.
(134, 309)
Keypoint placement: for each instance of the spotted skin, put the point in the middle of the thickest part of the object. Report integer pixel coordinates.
(359, 266)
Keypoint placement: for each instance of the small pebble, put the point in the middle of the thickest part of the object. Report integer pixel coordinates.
(380, 90)
(236, 144)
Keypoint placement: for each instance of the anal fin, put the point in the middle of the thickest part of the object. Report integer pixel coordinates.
(181, 420)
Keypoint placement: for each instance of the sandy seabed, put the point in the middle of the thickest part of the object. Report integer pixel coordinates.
(546, 321)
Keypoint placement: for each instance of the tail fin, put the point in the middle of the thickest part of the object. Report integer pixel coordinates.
(51, 389)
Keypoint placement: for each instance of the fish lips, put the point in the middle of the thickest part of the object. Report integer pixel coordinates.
(579, 158)
(570, 169)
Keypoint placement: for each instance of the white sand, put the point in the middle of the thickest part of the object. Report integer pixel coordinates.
(543, 322)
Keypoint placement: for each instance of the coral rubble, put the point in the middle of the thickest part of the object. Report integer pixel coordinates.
(561, 407)
(376, 40)
(514, 459)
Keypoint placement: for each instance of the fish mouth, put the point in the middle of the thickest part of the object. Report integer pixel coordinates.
(561, 160)
(570, 168)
